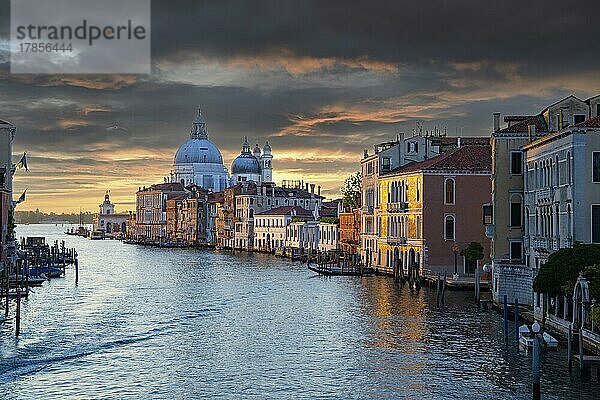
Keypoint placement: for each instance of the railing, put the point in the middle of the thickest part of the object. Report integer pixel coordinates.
(397, 207)
(544, 195)
(396, 240)
(541, 242)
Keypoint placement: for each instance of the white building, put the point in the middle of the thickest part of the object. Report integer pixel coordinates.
(198, 161)
(107, 220)
(562, 191)
(302, 237)
(253, 166)
(270, 226)
(329, 236)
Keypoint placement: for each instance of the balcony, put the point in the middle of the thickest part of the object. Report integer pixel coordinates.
(545, 195)
(396, 240)
(367, 210)
(397, 207)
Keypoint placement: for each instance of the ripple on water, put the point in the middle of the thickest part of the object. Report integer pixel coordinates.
(178, 324)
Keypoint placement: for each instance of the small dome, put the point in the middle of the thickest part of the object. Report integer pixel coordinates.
(256, 151)
(201, 151)
(245, 164)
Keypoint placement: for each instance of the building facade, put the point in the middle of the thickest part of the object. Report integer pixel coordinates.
(270, 227)
(151, 210)
(431, 209)
(107, 220)
(7, 135)
(350, 231)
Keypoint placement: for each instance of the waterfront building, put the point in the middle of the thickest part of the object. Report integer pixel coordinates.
(562, 191)
(270, 226)
(107, 220)
(151, 210)
(195, 226)
(174, 231)
(431, 209)
(389, 156)
(253, 166)
(329, 236)
(302, 237)
(214, 209)
(256, 198)
(7, 135)
(131, 224)
(199, 162)
(350, 231)
(514, 264)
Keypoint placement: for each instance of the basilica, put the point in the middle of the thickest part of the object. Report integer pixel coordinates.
(199, 162)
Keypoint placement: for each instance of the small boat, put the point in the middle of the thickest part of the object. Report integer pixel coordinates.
(53, 273)
(526, 341)
(97, 235)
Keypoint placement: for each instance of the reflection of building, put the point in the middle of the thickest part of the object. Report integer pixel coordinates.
(107, 220)
(199, 162)
(429, 207)
(7, 135)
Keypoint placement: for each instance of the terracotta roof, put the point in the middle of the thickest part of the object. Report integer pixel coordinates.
(523, 127)
(472, 158)
(287, 210)
(590, 123)
(217, 197)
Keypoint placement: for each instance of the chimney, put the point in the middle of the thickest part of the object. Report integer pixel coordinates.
(531, 131)
(312, 188)
(496, 121)
(319, 190)
(458, 142)
(307, 186)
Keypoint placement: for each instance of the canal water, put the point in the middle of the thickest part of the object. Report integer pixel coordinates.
(181, 324)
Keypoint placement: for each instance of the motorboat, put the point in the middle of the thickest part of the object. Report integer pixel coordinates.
(526, 339)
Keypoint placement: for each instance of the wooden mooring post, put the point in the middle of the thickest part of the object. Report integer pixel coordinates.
(444, 287)
(18, 313)
(76, 271)
(438, 289)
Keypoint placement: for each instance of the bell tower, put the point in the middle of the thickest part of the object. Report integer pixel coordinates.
(267, 163)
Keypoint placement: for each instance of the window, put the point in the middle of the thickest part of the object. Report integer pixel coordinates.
(516, 250)
(596, 223)
(577, 118)
(515, 212)
(569, 177)
(449, 191)
(596, 167)
(449, 227)
(385, 164)
(516, 162)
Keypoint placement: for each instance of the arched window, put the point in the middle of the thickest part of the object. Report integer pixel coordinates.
(449, 191)
(449, 228)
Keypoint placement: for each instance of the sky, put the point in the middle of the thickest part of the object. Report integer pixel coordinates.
(320, 80)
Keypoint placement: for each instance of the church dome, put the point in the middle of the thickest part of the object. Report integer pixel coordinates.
(198, 151)
(245, 164)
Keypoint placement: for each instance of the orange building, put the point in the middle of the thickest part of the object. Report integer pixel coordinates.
(350, 231)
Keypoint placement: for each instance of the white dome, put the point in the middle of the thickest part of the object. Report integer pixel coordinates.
(245, 164)
(198, 151)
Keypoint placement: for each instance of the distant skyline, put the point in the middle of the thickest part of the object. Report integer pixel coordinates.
(320, 80)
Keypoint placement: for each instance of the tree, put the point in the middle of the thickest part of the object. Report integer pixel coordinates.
(351, 190)
(559, 273)
(473, 252)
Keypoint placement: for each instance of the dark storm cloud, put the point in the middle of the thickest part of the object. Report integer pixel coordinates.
(538, 34)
